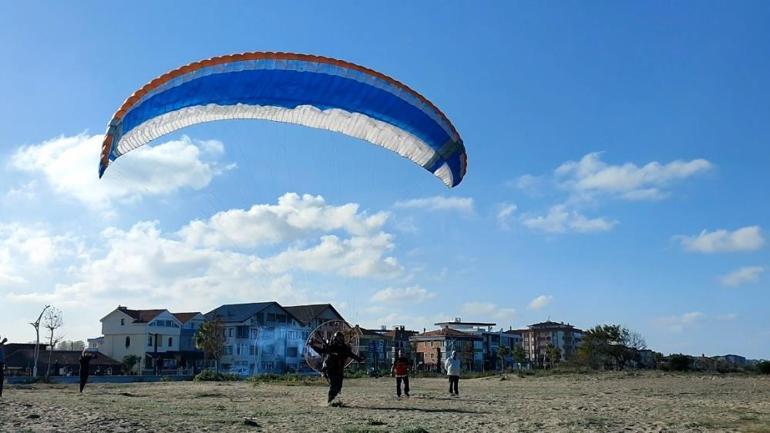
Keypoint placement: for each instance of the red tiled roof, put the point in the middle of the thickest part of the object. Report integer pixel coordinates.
(141, 316)
(185, 317)
(392, 333)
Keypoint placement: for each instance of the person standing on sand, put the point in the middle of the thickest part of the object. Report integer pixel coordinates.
(337, 352)
(400, 370)
(2, 364)
(452, 365)
(85, 360)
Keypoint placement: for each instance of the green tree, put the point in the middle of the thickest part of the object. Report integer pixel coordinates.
(553, 355)
(129, 362)
(210, 338)
(502, 354)
(519, 355)
(610, 346)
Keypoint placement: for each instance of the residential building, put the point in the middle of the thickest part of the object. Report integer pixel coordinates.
(189, 322)
(491, 340)
(20, 358)
(539, 336)
(398, 338)
(379, 346)
(431, 349)
(261, 337)
(154, 336)
(372, 346)
(313, 315)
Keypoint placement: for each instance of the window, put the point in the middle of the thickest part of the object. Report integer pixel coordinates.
(170, 341)
(149, 341)
(242, 332)
(270, 317)
(128, 341)
(252, 350)
(291, 352)
(229, 332)
(122, 322)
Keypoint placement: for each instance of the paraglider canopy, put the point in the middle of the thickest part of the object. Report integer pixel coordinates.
(307, 90)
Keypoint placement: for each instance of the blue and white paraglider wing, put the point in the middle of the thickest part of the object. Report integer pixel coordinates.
(301, 89)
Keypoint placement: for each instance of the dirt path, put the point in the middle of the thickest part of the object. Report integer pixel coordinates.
(579, 403)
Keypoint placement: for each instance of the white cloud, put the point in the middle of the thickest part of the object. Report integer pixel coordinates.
(354, 257)
(561, 220)
(504, 215)
(292, 217)
(69, 166)
(410, 321)
(29, 250)
(540, 302)
(438, 203)
(744, 275)
(681, 322)
(720, 241)
(528, 183)
(591, 176)
(411, 295)
(145, 263)
(483, 311)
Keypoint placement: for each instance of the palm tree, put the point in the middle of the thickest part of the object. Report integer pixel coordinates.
(502, 353)
(210, 338)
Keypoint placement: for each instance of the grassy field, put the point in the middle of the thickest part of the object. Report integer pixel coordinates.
(650, 402)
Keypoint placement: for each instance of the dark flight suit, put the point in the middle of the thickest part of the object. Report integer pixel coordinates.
(337, 354)
(85, 361)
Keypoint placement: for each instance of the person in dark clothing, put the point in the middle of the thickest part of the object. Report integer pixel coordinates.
(337, 352)
(2, 364)
(400, 370)
(85, 361)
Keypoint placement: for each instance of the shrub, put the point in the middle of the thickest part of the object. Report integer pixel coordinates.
(764, 367)
(289, 379)
(680, 362)
(213, 376)
(356, 374)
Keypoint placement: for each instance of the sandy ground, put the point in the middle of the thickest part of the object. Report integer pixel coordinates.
(651, 402)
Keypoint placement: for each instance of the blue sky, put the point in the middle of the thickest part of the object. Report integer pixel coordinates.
(617, 169)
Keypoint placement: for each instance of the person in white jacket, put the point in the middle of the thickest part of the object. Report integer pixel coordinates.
(452, 365)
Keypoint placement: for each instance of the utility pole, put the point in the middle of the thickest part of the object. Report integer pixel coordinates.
(36, 325)
(155, 354)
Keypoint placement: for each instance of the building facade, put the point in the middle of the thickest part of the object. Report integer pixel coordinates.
(432, 348)
(20, 360)
(260, 338)
(155, 337)
(538, 337)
